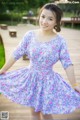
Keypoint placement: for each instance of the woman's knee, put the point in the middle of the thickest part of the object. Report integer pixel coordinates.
(34, 113)
(47, 117)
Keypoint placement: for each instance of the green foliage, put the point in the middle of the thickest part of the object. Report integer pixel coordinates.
(74, 1)
(13, 4)
(20, 5)
(11, 16)
(70, 7)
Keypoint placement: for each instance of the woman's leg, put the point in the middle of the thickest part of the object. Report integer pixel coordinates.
(47, 117)
(35, 115)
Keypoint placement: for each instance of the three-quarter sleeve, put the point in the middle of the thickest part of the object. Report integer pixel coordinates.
(64, 55)
(21, 49)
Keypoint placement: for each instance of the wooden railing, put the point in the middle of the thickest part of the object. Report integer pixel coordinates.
(29, 19)
(72, 21)
(75, 20)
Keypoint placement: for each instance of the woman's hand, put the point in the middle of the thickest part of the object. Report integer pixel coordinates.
(77, 88)
(7, 65)
(2, 72)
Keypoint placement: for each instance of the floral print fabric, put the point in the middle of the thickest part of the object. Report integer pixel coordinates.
(38, 85)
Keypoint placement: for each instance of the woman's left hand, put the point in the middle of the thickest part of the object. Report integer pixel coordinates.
(77, 88)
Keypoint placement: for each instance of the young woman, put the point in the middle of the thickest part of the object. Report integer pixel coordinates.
(38, 86)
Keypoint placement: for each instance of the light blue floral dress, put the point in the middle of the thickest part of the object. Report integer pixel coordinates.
(38, 85)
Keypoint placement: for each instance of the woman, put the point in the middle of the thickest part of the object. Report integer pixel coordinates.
(38, 86)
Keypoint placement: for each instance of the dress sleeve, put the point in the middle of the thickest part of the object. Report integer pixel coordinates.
(21, 49)
(64, 56)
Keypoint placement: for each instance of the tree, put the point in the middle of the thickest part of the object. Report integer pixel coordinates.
(20, 4)
(12, 4)
(74, 1)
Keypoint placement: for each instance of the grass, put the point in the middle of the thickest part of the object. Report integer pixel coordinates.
(76, 26)
(2, 55)
(13, 23)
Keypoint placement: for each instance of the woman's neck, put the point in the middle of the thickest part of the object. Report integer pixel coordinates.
(47, 33)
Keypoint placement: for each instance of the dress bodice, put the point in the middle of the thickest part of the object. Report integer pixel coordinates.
(43, 54)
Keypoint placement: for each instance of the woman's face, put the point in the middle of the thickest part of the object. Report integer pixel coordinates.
(47, 20)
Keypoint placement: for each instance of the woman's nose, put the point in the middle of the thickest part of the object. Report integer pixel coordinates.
(45, 21)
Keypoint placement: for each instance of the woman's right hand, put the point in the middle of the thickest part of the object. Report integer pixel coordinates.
(2, 72)
(77, 88)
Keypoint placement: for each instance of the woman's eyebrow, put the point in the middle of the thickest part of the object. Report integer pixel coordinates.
(48, 16)
(51, 17)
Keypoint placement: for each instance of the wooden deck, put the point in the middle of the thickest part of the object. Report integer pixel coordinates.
(18, 112)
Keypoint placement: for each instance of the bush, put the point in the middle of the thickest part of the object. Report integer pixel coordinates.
(70, 7)
(8, 17)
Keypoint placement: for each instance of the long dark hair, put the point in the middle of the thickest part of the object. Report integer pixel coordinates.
(54, 8)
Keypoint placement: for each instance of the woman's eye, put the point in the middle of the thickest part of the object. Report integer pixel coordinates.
(50, 19)
(43, 16)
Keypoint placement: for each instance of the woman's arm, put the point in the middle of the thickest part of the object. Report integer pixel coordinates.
(7, 65)
(18, 52)
(68, 66)
(71, 77)
(70, 74)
